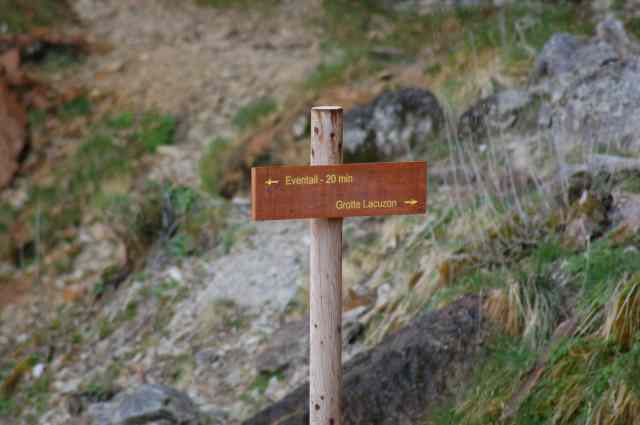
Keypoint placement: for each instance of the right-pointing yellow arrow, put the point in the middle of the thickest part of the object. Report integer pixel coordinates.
(411, 202)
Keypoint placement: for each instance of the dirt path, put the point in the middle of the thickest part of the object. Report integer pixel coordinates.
(201, 64)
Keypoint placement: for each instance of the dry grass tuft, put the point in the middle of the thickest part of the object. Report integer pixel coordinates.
(501, 307)
(622, 317)
(618, 405)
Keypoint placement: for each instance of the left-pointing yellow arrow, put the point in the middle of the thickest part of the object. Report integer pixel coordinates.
(270, 182)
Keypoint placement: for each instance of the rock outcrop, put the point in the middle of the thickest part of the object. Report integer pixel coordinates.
(583, 97)
(507, 111)
(396, 124)
(148, 404)
(407, 375)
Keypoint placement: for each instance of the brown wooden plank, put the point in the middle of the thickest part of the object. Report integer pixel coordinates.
(347, 190)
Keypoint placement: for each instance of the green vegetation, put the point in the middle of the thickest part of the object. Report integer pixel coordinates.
(597, 271)
(586, 376)
(261, 383)
(165, 288)
(211, 165)
(79, 106)
(21, 16)
(632, 184)
(633, 26)
(60, 59)
(433, 69)
(224, 315)
(98, 392)
(37, 118)
(156, 130)
(7, 407)
(122, 121)
(224, 4)
(97, 177)
(250, 115)
(330, 73)
(354, 30)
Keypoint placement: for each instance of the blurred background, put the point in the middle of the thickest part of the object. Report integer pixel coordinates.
(135, 289)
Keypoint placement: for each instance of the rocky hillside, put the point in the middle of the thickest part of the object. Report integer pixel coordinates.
(135, 289)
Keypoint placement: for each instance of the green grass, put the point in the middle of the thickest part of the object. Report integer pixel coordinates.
(37, 118)
(93, 177)
(618, 4)
(162, 289)
(631, 184)
(597, 270)
(211, 165)
(97, 159)
(156, 130)
(492, 384)
(589, 378)
(328, 73)
(8, 407)
(470, 30)
(633, 26)
(23, 15)
(122, 121)
(433, 69)
(80, 106)
(250, 115)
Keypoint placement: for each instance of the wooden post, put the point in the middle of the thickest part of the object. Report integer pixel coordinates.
(325, 294)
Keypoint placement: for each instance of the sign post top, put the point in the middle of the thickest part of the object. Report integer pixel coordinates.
(327, 108)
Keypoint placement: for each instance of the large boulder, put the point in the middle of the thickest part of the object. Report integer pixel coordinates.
(396, 124)
(506, 111)
(566, 58)
(600, 110)
(583, 98)
(406, 376)
(147, 404)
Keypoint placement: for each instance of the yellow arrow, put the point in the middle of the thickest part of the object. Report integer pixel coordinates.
(270, 182)
(411, 202)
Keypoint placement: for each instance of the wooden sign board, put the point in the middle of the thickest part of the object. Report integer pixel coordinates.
(331, 191)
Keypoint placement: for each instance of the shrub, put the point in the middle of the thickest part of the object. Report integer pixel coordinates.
(121, 121)
(156, 130)
(21, 16)
(76, 107)
(212, 165)
(250, 115)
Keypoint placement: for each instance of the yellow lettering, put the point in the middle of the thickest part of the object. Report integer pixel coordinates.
(380, 204)
(348, 205)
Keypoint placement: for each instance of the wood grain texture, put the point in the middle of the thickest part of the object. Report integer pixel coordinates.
(371, 189)
(325, 293)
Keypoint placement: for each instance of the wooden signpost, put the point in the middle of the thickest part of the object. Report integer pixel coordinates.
(326, 191)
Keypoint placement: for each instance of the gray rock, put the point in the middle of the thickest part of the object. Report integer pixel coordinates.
(396, 124)
(566, 58)
(300, 126)
(600, 110)
(409, 373)
(498, 113)
(288, 345)
(148, 404)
